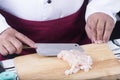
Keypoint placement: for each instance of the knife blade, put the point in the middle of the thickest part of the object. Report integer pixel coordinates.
(52, 49)
(114, 45)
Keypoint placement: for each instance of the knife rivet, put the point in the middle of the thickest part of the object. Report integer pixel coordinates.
(76, 45)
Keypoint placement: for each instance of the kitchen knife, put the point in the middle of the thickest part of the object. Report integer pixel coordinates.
(114, 45)
(52, 49)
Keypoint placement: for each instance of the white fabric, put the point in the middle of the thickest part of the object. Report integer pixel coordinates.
(110, 7)
(40, 10)
(8, 63)
(115, 48)
(3, 24)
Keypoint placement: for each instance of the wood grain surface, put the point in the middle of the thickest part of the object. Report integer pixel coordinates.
(37, 67)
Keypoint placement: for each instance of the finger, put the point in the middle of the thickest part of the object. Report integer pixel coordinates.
(88, 31)
(17, 44)
(93, 30)
(9, 47)
(25, 40)
(3, 51)
(100, 29)
(108, 30)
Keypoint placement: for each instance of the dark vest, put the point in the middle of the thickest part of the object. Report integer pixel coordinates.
(70, 29)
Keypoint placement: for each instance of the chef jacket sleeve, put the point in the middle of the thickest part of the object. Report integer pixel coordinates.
(3, 24)
(109, 7)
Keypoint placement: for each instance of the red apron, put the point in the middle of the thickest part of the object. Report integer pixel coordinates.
(70, 29)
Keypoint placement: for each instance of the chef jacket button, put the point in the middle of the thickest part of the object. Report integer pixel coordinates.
(49, 1)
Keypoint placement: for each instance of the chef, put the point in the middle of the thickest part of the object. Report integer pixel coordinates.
(54, 21)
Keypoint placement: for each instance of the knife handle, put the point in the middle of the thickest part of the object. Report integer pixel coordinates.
(27, 47)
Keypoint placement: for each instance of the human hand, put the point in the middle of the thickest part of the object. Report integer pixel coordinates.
(11, 42)
(99, 27)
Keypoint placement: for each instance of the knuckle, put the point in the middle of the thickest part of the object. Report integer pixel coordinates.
(11, 50)
(25, 37)
(106, 37)
(100, 25)
(111, 24)
(93, 28)
(19, 51)
(18, 34)
(100, 29)
(99, 35)
(4, 52)
(4, 38)
(6, 35)
(18, 47)
(108, 30)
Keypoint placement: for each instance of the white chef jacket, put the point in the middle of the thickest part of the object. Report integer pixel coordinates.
(41, 10)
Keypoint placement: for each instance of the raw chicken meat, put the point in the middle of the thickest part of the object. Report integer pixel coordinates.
(76, 59)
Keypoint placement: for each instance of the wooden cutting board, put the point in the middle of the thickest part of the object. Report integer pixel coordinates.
(36, 67)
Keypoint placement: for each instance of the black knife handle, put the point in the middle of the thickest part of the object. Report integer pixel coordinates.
(1, 67)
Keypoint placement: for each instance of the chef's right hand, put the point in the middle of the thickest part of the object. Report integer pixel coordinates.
(11, 42)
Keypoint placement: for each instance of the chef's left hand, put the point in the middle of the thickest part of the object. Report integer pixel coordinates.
(99, 27)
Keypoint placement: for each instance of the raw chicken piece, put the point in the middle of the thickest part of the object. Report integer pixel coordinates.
(76, 59)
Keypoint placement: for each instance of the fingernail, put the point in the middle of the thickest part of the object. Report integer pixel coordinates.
(98, 41)
(105, 41)
(35, 45)
(93, 41)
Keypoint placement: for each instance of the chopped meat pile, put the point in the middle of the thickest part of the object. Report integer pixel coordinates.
(76, 59)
